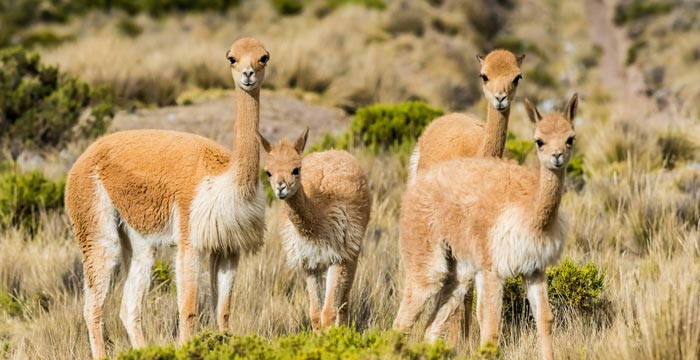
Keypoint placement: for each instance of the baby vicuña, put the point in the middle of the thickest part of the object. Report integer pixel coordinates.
(327, 207)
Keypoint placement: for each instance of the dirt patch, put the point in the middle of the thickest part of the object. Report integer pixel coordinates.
(280, 116)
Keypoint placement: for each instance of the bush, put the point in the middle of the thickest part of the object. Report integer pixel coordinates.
(518, 149)
(637, 9)
(42, 108)
(675, 146)
(288, 7)
(9, 305)
(129, 28)
(383, 127)
(162, 276)
(633, 51)
(336, 343)
(575, 287)
(24, 195)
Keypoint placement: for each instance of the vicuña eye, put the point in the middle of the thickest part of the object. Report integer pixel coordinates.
(570, 141)
(268, 173)
(484, 77)
(517, 78)
(264, 59)
(539, 143)
(232, 60)
(295, 172)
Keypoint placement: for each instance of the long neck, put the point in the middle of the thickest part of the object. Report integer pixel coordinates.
(302, 213)
(246, 149)
(496, 131)
(548, 197)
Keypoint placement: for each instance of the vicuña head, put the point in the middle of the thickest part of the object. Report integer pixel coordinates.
(283, 165)
(500, 74)
(554, 134)
(248, 58)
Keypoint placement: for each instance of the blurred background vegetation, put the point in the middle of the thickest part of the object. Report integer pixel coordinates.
(367, 76)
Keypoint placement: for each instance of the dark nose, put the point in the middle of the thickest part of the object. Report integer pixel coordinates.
(248, 73)
(281, 185)
(500, 98)
(557, 155)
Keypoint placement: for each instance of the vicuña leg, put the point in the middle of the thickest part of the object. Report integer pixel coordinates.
(138, 281)
(98, 267)
(186, 271)
(539, 302)
(414, 298)
(450, 300)
(488, 307)
(223, 268)
(459, 323)
(339, 281)
(313, 286)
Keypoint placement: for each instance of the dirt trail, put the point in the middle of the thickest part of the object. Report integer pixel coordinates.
(625, 83)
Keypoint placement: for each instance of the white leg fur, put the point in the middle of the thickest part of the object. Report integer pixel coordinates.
(413, 166)
(223, 269)
(136, 287)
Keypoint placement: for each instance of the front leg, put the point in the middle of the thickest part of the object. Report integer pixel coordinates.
(186, 271)
(223, 268)
(539, 302)
(313, 286)
(489, 290)
(339, 281)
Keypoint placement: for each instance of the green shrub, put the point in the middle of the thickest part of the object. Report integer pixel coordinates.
(44, 38)
(9, 305)
(24, 195)
(335, 343)
(372, 4)
(540, 76)
(569, 286)
(518, 149)
(42, 108)
(129, 28)
(162, 276)
(269, 193)
(636, 9)
(383, 127)
(378, 127)
(288, 7)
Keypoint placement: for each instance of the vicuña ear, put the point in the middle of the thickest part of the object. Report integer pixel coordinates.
(520, 59)
(571, 107)
(480, 58)
(301, 141)
(532, 111)
(266, 144)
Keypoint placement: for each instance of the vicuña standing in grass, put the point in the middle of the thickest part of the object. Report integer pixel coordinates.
(327, 207)
(464, 135)
(133, 191)
(494, 219)
(459, 135)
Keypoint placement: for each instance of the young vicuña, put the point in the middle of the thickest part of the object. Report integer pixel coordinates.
(488, 219)
(327, 207)
(134, 191)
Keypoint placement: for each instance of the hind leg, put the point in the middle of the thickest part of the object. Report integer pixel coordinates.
(459, 323)
(98, 267)
(138, 281)
(222, 270)
(451, 298)
(339, 280)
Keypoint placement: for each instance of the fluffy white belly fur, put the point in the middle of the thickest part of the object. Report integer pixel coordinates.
(515, 249)
(222, 219)
(340, 241)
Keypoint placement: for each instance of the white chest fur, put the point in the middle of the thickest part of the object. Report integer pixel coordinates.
(222, 219)
(516, 249)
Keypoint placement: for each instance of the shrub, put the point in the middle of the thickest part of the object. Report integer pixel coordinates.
(518, 149)
(24, 195)
(372, 4)
(42, 108)
(633, 51)
(288, 7)
(636, 9)
(162, 276)
(44, 38)
(675, 146)
(383, 127)
(570, 286)
(336, 343)
(9, 305)
(129, 28)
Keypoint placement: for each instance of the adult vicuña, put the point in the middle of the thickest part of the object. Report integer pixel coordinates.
(133, 191)
(327, 210)
(464, 135)
(494, 219)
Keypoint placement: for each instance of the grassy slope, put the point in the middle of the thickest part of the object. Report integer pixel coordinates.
(634, 217)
